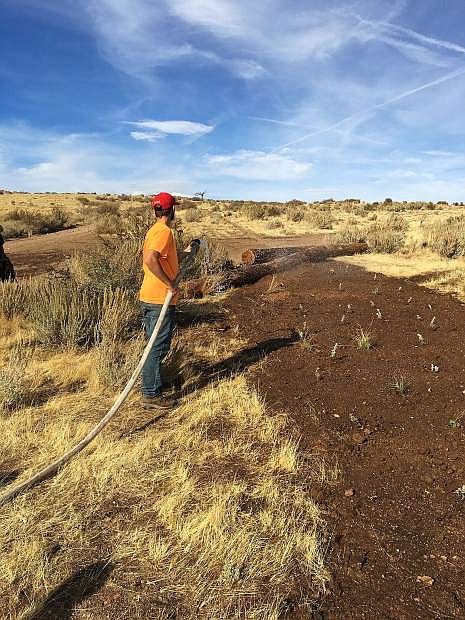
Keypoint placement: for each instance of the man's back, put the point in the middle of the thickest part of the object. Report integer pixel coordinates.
(160, 239)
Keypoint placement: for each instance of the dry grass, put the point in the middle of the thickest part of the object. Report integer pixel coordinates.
(447, 238)
(439, 273)
(204, 513)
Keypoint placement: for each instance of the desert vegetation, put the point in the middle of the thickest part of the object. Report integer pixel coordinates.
(212, 511)
(207, 510)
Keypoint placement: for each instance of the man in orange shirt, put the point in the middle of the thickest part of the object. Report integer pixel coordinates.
(161, 267)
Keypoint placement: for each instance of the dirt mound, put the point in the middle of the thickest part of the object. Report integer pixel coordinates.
(389, 416)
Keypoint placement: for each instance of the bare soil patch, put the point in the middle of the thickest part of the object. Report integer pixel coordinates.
(396, 521)
(37, 254)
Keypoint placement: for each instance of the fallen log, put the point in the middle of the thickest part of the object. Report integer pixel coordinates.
(256, 256)
(249, 274)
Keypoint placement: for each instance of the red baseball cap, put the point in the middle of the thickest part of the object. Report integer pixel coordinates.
(164, 201)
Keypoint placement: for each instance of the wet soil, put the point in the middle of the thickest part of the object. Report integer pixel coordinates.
(394, 515)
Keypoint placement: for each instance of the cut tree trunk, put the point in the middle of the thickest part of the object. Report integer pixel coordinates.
(248, 274)
(256, 256)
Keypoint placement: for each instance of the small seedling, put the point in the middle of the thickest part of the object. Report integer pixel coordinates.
(455, 422)
(400, 385)
(363, 340)
(340, 286)
(372, 303)
(434, 367)
(274, 286)
(334, 350)
(461, 492)
(375, 291)
(409, 299)
(378, 313)
(306, 337)
(356, 421)
(234, 572)
(421, 340)
(433, 323)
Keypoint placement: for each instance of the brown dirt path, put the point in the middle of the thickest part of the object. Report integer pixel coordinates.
(38, 253)
(400, 462)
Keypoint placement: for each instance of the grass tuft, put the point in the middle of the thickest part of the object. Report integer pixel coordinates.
(363, 339)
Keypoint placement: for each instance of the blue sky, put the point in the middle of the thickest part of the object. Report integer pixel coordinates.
(271, 100)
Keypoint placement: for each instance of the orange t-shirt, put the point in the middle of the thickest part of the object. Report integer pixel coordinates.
(159, 238)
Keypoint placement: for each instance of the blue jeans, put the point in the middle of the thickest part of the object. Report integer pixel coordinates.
(151, 372)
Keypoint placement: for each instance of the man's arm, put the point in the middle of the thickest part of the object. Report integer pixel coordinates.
(152, 260)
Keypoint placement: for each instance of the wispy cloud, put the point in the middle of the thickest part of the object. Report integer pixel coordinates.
(395, 29)
(257, 165)
(184, 128)
(146, 136)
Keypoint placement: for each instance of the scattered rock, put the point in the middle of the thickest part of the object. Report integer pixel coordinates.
(425, 580)
(358, 438)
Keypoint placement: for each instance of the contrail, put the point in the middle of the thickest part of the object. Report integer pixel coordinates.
(454, 47)
(273, 120)
(408, 93)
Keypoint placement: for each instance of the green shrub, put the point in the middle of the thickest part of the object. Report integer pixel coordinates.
(116, 360)
(120, 318)
(295, 215)
(255, 211)
(274, 211)
(109, 224)
(14, 388)
(319, 218)
(192, 215)
(186, 203)
(62, 314)
(23, 222)
(13, 298)
(116, 264)
(274, 224)
(387, 235)
(447, 238)
(350, 234)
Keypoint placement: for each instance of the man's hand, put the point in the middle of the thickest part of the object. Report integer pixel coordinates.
(194, 243)
(174, 289)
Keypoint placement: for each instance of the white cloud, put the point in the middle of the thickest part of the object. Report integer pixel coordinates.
(222, 16)
(146, 136)
(257, 165)
(184, 128)
(402, 174)
(71, 163)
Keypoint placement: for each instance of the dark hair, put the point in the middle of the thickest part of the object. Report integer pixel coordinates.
(164, 212)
